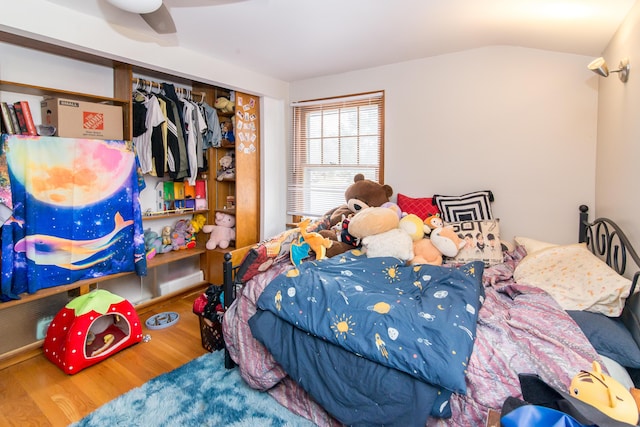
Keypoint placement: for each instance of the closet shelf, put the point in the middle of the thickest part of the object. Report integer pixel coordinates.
(156, 261)
(45, 91)
(227, 211)
(174, 214)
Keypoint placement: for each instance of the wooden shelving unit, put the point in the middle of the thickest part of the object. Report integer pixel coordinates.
(245, 188)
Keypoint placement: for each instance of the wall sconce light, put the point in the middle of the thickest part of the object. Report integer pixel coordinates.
(599, 66)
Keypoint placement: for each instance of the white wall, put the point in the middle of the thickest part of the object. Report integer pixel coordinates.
(273, 154)
(520, 122)
(618, 165)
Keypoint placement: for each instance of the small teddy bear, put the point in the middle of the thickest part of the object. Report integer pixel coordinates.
(222, 233)
(227, 168)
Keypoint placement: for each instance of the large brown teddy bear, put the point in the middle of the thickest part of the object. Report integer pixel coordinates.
(363, 193)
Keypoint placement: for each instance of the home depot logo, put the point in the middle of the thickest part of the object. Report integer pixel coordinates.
(92, 121)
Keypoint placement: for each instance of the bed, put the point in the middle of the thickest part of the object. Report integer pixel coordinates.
(442, 345)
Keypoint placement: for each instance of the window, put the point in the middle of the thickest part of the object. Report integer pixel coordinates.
(333, 140)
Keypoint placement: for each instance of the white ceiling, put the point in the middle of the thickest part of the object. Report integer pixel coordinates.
(298, 39)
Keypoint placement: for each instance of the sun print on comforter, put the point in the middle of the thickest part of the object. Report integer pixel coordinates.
(418, 319)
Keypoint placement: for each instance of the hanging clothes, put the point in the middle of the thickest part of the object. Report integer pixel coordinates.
(160, 166)
(179, 152)
(194, 127)
(213, 135)
(152, 136)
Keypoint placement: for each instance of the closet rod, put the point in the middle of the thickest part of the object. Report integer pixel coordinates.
(179, 90)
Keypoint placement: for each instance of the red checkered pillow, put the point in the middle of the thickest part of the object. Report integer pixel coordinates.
(422, 207)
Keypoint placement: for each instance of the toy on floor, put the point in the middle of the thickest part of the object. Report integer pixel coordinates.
(89, 329)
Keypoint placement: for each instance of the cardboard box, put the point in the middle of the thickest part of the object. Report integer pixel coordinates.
(80, 119)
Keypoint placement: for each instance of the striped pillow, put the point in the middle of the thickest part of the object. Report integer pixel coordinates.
(474, 206)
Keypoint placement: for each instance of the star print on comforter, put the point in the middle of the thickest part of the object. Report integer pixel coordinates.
(420, 320)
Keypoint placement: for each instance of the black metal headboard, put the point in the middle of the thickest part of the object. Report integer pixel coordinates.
(607, 241)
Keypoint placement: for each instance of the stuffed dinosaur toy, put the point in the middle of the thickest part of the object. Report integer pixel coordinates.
(316, 241)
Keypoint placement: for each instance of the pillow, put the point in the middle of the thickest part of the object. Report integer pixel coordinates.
(482, 242)
(609, 337)
(532, 245)
(575, 278)
(468, 207)
(422, 207)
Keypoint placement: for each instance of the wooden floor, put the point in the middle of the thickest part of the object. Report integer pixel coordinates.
(35, 392)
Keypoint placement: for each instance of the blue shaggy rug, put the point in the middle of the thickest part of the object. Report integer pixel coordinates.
(199, 393)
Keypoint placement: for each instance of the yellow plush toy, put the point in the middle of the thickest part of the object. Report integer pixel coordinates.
(197, 222)
(442, 241)
(605, 394)
(316, 242)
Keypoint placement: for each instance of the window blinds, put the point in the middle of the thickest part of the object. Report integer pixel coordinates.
(332, 141)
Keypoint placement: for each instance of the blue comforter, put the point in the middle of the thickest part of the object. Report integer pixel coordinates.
(420, 320)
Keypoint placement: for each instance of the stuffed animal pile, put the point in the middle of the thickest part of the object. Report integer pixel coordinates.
(369, 221)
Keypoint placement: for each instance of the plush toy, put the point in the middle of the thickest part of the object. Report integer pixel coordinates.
(442, 240)
(316, 242)
(197, 222)
(363, 193)
(222, 233)
(395, 243)
(373, 220)
(432, 222)
(378, 230)
(394, 207)
(604, 393)
(227, 131)
(443, 236)
(425, 253)
(224, 105)
(166, 235)
(227, 168)
(413, 226)
(181, 234)
(153, 244)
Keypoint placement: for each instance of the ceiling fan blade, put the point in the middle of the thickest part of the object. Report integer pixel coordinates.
(160, 20)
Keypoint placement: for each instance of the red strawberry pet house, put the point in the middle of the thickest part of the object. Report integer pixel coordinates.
(89, 329)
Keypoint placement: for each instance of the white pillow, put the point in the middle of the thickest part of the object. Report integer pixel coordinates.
(532, 245)
(575, 278)
(617, 372)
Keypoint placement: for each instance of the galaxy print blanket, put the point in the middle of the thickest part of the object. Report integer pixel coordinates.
(420, 320)
(75, 212)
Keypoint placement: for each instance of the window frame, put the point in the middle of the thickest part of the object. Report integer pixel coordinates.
(298, 189)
